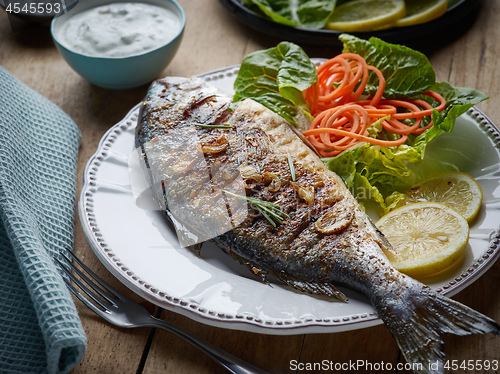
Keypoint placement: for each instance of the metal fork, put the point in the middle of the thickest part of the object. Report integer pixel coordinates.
(123, 312)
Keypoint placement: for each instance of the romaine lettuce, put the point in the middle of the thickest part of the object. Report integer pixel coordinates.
(407, 72)
(310, 14)
(277, 77)
(382, 174)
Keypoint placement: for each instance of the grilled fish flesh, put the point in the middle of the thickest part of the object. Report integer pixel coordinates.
(315, 237)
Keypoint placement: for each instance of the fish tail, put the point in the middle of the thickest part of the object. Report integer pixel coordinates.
(417, 320)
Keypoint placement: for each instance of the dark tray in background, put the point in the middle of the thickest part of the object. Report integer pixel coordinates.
(457, 17)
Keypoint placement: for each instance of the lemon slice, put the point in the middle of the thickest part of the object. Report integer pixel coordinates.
(427, 238)
(457, 190)
(366, 15)
(421, 11)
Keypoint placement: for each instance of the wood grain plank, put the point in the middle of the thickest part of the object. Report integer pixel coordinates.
(472, 59)
(366, 350)
(173, 355)
(484, 297)
(110, 350)
(32, 58)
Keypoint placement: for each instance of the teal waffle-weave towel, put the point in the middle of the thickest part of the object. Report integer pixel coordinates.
(40, 331)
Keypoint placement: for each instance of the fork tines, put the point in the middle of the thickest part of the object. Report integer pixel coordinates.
(104, 299)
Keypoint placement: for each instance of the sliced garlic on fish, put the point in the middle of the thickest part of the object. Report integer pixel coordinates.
(273, 180)
(250, 173)
(306, 192)
(335, 220)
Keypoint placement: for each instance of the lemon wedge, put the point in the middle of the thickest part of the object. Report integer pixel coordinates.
(457, 190)
(421, 11)
(427, 238)
(366, 15)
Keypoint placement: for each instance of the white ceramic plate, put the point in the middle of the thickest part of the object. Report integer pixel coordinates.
(141, 250)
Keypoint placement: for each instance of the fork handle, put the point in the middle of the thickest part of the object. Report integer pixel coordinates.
(232, 363)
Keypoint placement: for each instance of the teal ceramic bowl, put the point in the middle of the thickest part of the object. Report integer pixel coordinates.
(119, 72)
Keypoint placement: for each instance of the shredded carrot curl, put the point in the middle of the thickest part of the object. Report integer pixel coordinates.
(342, 118)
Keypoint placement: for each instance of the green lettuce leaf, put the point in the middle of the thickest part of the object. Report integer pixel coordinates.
(459, 100)
(310, 14)
(376, 175)
(276, 77)
(382, 175)
(407, 72)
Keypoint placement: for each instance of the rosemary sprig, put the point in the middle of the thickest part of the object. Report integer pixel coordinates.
(269, 210)
(290, 165)
(213, 126)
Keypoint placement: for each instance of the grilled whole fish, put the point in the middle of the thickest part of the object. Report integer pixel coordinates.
(322, 238)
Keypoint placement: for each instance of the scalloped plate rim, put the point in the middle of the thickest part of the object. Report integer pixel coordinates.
(244, 322)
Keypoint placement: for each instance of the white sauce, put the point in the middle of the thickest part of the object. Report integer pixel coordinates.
(119, 29)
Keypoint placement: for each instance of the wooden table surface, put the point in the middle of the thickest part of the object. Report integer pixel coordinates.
(214, 39)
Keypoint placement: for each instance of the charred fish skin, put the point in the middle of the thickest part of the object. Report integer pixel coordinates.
(302, 249)
(174, 102)
(326, 239)
(171, 107)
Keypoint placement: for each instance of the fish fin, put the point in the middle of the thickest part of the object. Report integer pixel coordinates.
(417, 320)
(254, 268)
(325, 289)
(196, 248)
